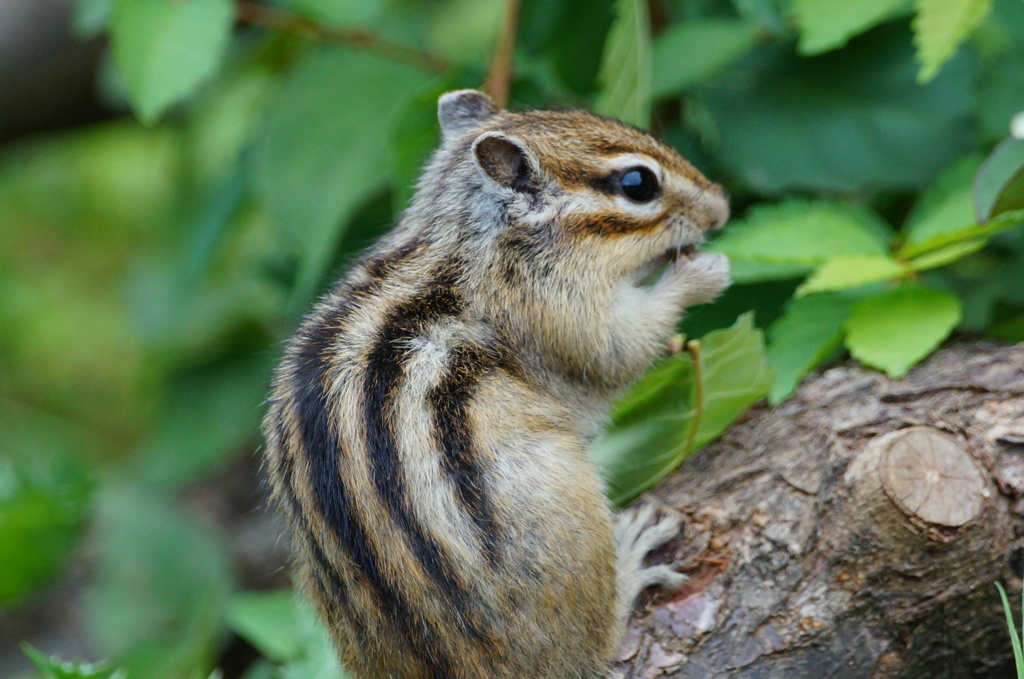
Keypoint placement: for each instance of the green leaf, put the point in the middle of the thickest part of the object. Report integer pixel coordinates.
(626, 71)
(43, 509)
(333, 13)
(999, 184)
(948, 254)
(791, 238)
(652, 426)
(210, 226)
(261, 669)
(165, 49)
(1015, 639)
(736, 375)
(851, 271)
(751, 271)
(895, 330)
(268, 621)
(208, 417)
(319, 659)
(178, 577)
(90, 17)
(569, 37)
(465, 31)
(692, 51)
(415, 136)
(809, 332)
(1001, 81)
(945, 209)
(285, 629)
(944, 218)
(1009, 330)
(939, 28)
(848, 121)
(772, 14)
(52, 667)
(321, 153)
(827, 24)
(1004, 222)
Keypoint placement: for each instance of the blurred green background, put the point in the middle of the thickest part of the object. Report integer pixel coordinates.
(178, 180)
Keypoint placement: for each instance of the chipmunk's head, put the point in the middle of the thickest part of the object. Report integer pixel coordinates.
(595, 222)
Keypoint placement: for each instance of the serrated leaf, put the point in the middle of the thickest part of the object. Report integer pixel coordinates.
(945, 209)
(52, 667)
(851, 271)
(165, 50)
(794, 234)
(320, 155)
(810, 330)
(626, 72)
(895, 330)
(828, 24)
(847, 122)
(652, 426)
(694, 50)
(999, 183)
(939, 28)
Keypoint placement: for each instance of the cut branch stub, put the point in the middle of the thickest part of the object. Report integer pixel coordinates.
(929, 476)
(913, 501)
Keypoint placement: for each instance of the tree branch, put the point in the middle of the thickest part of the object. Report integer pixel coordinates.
(499, 77)
(281, 21)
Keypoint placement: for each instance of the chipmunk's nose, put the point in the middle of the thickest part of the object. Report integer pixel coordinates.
(716, 207)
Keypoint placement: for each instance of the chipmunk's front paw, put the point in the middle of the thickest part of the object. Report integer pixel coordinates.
(708, 276)
(699, 279)
(637, 534)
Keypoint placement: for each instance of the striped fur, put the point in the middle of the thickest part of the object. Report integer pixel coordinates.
(427, 430)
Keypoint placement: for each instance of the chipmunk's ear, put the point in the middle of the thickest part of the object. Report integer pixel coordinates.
(463, 110)
(505, 160)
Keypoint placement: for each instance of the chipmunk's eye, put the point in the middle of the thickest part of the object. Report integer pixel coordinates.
(639, 184)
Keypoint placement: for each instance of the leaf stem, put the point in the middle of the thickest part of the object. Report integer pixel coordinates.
(499, 76)
(693, 347)
(282, 21)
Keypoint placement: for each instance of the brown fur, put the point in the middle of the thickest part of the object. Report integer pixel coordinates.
(428, 427)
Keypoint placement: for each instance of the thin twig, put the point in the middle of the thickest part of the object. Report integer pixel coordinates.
(499, 77)
(693, 346)
(281, 21)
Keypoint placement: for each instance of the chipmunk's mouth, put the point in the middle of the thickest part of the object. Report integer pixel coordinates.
(651, 272)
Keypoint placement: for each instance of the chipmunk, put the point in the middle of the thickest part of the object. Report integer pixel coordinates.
(428, 427)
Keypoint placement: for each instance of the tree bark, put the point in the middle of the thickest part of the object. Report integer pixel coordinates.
(854, 531)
